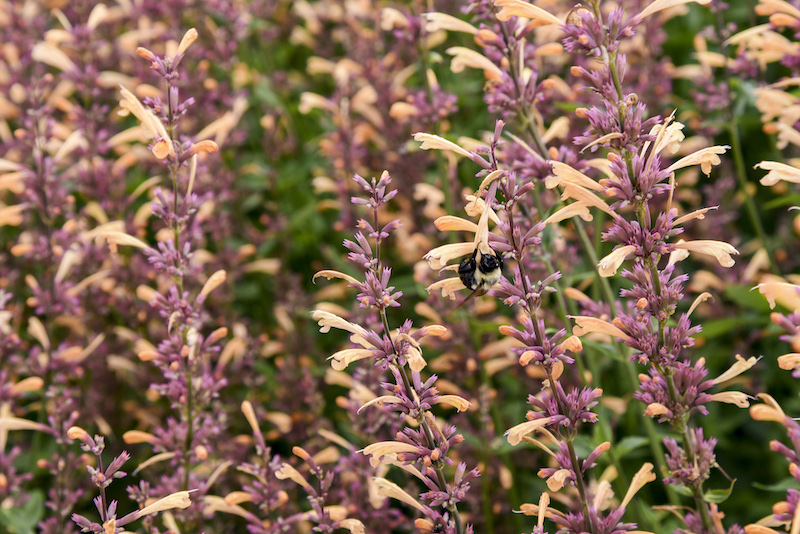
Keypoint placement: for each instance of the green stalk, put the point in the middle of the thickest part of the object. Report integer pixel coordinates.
(750, 205)
(424, 423)
(732, 126)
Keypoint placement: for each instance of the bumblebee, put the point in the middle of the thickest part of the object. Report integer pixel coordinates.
(480, 274)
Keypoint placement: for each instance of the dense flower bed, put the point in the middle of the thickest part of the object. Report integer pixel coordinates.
(551, 248)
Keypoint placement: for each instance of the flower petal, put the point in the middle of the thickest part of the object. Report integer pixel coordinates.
(587, 197)
(464, 57)
(389, 489)
(564, 173)
(609, 265)
(441, 256)
(706, 158)
(329, 274)
(742, 400)
(450, 223)
(448, 286)
(737, 368)
(782, 293)
(377, 450)
(789, 361)
(430, 141)
(660, 5)
(719, 249)
(459, 403)
(585, 325)
(777, 172)
(516, 433)
(442, 21)
(519, 8)
(579, 209)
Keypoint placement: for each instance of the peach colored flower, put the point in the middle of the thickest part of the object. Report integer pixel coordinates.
(736, 369)
(642, 477)
(179, 499)
(465, 57)
(520, 8)
(777, 291)
(151, 124)
(386, 488)
(288, 472)
(459, 403)
(742, 400)
(516, 433)
(585, 325)
(720, 250)
(188, 38)
(430, 141)
(706, 158)
(777, 172)
(441, 21)
(377, 450)
(608, 266)
(563, 173)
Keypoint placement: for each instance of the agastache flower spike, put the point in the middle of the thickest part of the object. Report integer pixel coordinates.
(557, 411)
(778, 291)
(422, 451)
(675, 387)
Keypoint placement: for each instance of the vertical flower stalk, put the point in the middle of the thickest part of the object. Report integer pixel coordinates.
(48, 251)
(103, 477)
(326, 518)
(184, 356)
(780, 292)
(421, 451)
(639, 190)
(558, 411)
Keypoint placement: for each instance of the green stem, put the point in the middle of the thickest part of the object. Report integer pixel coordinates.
(681, 425)
(630, 370)
(423, 420)
(103, 501)
(738, 156)
(750, 205)
(562, 303)
(174, 168)
(424, 423)
(655, 443)
(485, 452)
(531, 310)
(573, 457)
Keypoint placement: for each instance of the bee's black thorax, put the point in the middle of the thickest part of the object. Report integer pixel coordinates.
(482, 274)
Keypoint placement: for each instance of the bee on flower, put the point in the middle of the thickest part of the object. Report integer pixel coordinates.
(482, 267)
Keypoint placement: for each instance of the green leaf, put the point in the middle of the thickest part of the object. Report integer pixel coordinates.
(629, 444)
(780, 487)
(720, 327)
(23, 520)
(682, 490)
(782, 201)
(719, 495)
(748, 299)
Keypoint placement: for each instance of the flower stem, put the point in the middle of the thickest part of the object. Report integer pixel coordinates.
(738, 157)
(573, 457)
(424, 423)
(103, 501)
(681, 425)
(750, 205)
(403, 372)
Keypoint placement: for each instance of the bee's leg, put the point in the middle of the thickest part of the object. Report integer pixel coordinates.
(471, 296)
